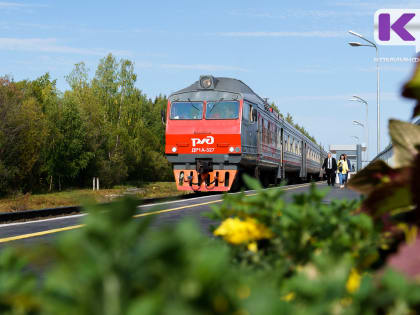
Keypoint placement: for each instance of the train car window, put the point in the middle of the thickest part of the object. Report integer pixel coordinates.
(275, 137)
(222, 110)
(263, 130)
(267, 134)
(246, 113)
(186, 110)
(254, 114)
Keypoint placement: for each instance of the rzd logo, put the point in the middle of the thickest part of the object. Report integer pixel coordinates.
(208, 140)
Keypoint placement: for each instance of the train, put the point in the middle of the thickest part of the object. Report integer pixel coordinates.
(218, 128)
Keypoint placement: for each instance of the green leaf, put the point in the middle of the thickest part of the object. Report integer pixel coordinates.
(388, 199)
(412, 89)
(368, 179)
(405, 137)
(415, 183)
(393, 192)
(252, 183)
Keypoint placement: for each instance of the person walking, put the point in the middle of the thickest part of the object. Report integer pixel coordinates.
(348, 162)
(330, 167)
(343, 169)
(349, 166)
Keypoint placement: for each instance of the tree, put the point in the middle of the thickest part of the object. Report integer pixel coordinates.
(69, 153)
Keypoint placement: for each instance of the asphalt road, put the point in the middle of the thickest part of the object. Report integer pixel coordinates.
(165, 213)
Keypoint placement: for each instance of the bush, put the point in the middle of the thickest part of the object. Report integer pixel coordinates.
(297, 229)
(118, 265)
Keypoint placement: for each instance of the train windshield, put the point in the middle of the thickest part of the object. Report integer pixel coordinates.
(187, 110)
(222, 110)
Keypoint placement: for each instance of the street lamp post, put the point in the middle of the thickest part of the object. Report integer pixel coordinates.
(358, 123)
(361, 100)
(378, 108)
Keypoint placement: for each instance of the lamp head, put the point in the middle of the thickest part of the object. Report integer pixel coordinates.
(355, 34)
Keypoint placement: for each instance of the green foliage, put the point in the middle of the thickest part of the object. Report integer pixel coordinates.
(301, 228)
(102, 127)
(393, 192)
(412, 90)
(115, 264)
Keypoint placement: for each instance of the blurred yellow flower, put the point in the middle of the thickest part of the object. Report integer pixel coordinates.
(289, 297)
(253, 247)
(237, 231)
(353, 282)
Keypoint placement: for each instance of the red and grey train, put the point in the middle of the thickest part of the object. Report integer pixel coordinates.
(218, 128)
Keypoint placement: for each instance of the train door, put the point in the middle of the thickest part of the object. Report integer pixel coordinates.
(250, 128)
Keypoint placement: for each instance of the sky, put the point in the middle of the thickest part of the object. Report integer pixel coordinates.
(295, 53)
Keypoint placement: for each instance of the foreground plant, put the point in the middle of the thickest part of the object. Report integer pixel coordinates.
(266, 232)
(115, 264)
(393, 193)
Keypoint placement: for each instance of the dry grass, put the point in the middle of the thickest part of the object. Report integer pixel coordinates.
(76, 197)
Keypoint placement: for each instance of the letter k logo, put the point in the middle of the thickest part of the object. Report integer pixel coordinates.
(398, 27)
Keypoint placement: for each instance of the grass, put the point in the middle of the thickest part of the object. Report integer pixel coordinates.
(77, 196)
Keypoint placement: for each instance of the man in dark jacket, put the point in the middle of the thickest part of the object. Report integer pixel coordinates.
(330, 167)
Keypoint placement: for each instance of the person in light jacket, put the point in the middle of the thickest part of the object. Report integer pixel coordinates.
(343, 169)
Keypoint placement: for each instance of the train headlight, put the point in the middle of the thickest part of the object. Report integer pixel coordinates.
(206, 82)
(174, 149)
(237, 149)
(231, 149)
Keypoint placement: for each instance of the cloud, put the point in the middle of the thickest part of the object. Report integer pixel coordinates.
(50, 45)
(374, 5)
(204, 67)
(339, 98)
(296, 14)
(17, 5)
(323, 34)
(404, 68)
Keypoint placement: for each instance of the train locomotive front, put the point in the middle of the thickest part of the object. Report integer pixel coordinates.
(203, 134)
(218, 128)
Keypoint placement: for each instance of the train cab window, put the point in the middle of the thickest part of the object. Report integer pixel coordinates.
(222, 110)
(186, 110)
(249, 113)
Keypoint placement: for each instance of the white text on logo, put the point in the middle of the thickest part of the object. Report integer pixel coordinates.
(208, 140)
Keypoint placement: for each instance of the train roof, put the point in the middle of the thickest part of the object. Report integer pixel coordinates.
(226, 85)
